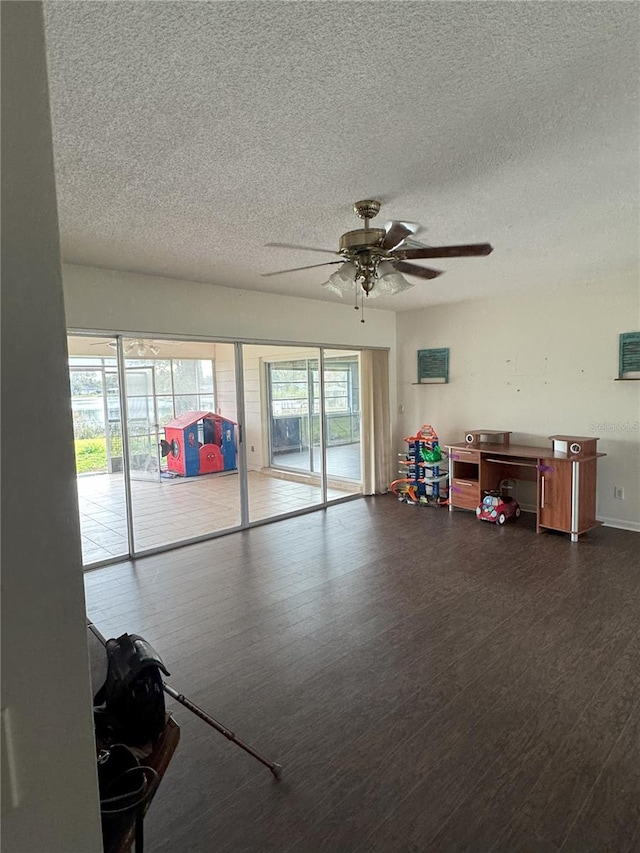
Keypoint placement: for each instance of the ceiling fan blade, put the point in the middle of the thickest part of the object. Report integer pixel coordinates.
(414, 227)
(294, 246)
(297, 269)
(469, 250)
(420, 272)
(395, 235)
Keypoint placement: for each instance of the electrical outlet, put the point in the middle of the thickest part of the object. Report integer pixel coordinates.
(253, 448)
(618, 493)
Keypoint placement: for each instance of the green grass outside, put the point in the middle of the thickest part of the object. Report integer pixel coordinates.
(91, 455)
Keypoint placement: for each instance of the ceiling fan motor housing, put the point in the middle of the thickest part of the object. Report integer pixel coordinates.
(361, 239)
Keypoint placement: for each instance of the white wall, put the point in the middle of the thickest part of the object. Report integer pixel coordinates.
(537, 363)
(121, 301)
(225, 381)
(49, 749)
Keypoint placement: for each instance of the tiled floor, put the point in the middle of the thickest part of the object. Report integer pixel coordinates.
(175, 510)
(342, 460)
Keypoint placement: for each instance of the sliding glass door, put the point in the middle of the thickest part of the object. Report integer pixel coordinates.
(342, 423)
(281, 402)
(97, 427)
(302, 408)
(142, 424)
(183, 441)
(166, 454)
(293, 391)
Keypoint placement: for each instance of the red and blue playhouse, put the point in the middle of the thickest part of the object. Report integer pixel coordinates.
(199, 443)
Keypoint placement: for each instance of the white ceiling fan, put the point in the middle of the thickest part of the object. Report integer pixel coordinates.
(137, 347)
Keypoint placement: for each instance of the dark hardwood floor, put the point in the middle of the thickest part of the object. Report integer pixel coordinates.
(428, 681)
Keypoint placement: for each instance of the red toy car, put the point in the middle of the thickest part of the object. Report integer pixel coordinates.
(498, 508)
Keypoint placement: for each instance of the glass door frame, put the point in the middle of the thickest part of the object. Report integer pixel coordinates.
(321, 427)
(102, 370)
(155, 431)
(120, 368)
(126, 446)
(322, 364)
(311, 364)
(242, 450)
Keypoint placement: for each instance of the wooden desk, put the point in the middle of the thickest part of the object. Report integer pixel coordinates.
(565, 481)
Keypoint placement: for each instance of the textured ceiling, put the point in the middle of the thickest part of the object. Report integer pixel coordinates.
(187, 135)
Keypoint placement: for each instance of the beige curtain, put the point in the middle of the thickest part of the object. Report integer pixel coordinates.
(377, 468)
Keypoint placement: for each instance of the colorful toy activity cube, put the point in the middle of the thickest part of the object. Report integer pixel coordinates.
(425, 481)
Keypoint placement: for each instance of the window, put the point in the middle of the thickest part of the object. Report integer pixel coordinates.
(180, 385)
(288, 381)
(294, 394)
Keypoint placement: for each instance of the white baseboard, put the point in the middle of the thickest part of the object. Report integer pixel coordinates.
(621, 525)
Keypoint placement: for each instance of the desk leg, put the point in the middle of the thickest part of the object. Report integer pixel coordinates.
(575, 499)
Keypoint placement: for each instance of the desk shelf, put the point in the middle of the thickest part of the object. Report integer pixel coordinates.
(465, 470)
(521, 463)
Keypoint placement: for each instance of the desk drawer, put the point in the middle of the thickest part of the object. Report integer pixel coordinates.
(464, 455)
(465, 493)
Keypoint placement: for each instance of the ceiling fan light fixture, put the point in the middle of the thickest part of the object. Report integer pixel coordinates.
(341, 281)
(386, 268)
(346, 272)
(390, 281)
(339, 288)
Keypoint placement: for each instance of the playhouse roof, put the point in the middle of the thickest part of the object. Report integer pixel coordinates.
(187, 419)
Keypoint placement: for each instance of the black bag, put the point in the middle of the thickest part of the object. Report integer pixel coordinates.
(132, 698)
